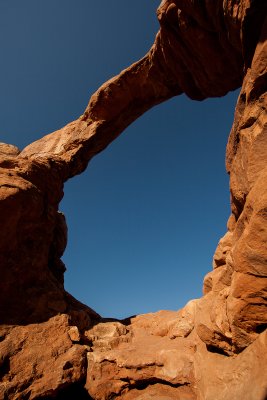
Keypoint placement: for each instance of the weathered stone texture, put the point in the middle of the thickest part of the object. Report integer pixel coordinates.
(52, 346)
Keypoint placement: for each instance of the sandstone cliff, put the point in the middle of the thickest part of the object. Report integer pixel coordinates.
(52, 346)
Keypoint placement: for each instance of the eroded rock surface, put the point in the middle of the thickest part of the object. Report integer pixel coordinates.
(150, 357)
(52, 346)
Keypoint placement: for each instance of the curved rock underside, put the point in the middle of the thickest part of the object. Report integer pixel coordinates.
(52, 346)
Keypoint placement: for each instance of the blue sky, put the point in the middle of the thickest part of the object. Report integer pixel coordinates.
(146, 216)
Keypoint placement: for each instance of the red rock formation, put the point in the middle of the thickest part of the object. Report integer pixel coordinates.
(52, 346)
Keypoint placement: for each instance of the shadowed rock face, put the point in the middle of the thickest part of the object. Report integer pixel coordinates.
(52, 346)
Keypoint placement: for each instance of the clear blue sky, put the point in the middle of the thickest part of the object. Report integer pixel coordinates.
(146, 216)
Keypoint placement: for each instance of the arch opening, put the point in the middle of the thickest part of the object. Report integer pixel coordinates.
(145, 218)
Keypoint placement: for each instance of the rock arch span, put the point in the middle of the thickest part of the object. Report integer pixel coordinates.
(188, 354)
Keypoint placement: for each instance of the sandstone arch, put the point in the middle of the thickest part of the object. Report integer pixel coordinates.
(231, 316)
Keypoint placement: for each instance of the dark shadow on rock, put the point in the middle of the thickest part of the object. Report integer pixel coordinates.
(71, 392)
(125, 321)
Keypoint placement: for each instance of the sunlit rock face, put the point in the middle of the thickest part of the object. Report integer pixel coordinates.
(52, 346)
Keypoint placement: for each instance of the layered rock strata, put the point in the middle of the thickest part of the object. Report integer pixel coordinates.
(52, 346)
